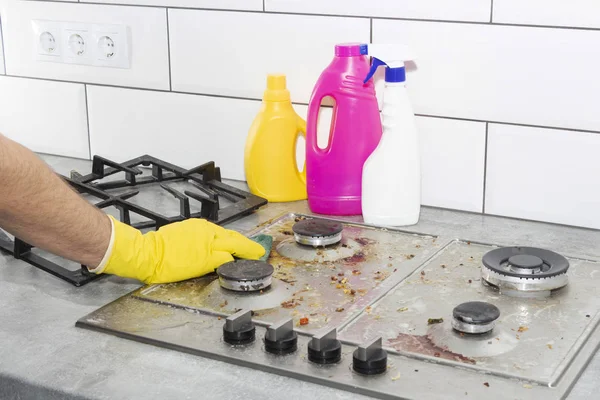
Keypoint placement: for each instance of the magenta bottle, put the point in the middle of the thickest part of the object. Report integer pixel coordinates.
(334, 174)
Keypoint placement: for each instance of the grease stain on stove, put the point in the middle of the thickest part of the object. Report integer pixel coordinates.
(423, 345)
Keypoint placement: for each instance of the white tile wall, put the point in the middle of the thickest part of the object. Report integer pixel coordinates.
(185, 129)
(48, 117)
(231, 53)
(536, 76)
(457, 10)
(255, 5)
(452, 163)
(543, 174)
(468, 75)
(148, 27)
(575, 13)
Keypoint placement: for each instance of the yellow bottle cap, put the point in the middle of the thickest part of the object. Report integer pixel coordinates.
(276, 82)
(276, 88)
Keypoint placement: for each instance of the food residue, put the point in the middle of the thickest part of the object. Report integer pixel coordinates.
(356, 272)
(368, 309)
(436, 354)
(409, 256)
(549, 346)
(339, 286)
(304, 321)
(470, 281)
(486, 384)
(333, 278)
(433, 321)
(339, 309)
(344, 281)
(443, 265)
(290, 304)
(352, 292)
(341, 274)
(418, 246)
(395, 378)
(224, 304)
(422, 272)
(527, 386)
(522, 329)
(402, 309)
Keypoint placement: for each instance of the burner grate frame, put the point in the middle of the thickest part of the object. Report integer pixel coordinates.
(206, 178)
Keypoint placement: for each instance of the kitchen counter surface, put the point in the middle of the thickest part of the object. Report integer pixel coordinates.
(43, 355)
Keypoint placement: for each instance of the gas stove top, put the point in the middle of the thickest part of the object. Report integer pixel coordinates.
(382, 312)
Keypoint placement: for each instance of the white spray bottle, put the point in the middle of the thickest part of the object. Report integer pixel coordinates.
(391, 182)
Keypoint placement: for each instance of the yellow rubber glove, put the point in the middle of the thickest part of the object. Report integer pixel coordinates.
(176, 252)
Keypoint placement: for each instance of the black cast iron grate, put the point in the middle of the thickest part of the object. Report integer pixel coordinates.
(206, 179)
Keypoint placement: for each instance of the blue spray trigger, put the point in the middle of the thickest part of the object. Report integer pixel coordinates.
(376, 64)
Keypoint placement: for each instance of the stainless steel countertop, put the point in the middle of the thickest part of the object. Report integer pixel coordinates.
(43, 355)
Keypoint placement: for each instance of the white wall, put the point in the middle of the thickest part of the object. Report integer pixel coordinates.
(508, 95)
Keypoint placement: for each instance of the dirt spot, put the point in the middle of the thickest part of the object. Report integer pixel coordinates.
(358, 257)
(288, 233)
(364, 241)
(422, 344)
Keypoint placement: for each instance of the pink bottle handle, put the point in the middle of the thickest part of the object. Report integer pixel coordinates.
(313, 115)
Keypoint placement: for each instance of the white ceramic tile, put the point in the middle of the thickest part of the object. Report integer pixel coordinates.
(543, 174)
(231, 53)
(187, 130)
(452, 163)
(578, 13)
(48, 117)
(536, 76)
(148, 32)
(456, 10)
(255, 5)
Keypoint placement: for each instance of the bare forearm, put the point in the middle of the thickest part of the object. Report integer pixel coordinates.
(38, 207)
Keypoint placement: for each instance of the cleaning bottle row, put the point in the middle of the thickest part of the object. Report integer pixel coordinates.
(367, 166)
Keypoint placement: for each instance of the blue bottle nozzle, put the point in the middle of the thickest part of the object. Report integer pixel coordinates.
(374, 65)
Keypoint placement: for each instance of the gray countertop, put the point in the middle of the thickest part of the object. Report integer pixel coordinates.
(43, 355)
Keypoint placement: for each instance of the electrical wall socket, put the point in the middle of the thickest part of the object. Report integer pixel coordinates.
(82, 43)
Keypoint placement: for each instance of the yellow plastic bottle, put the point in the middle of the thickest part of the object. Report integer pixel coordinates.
(270, 156)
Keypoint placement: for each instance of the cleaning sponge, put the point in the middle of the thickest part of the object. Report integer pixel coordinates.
(265, 241)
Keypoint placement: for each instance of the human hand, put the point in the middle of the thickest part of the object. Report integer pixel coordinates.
(176, 252)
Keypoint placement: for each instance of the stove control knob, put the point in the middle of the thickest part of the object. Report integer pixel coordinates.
(324, 348)
(370, 358)
(281, 339)
(475, 317)
(239, 328)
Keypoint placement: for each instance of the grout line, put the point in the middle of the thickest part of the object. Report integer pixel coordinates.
(264, 9)
(510, 123)
(487, 125)
(3, 48)
(169, 49)
(223, 96)
(582, 28)
(87, 117)
(371, 30)
(492, 12)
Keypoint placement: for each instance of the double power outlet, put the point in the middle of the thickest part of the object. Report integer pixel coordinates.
(80, 43)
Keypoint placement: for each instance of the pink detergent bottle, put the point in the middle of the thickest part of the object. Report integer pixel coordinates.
(334, 174)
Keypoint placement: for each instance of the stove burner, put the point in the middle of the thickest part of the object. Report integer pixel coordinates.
(475, 317)
(317, 232)
(245, 275)
(525, 269)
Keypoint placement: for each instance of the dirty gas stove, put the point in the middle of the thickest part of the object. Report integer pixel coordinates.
(385, 313)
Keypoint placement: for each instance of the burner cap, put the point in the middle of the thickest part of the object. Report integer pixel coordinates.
(523, 262)
(475, 317)
(526, 269)
(245, 275)
(317, 232)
